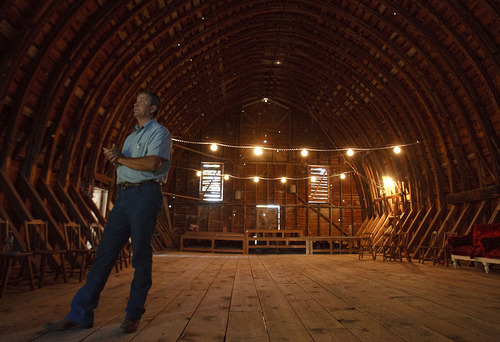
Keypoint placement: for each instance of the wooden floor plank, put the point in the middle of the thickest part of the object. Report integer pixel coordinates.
(245, 308)
(210, 318)
(319, 322)
(391, 310)
(266, 297)
(170, 323)
(348, 315)
(281, 321)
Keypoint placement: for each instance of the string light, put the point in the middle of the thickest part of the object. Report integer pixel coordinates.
(256, 179)
(397, 149)
(213, 147)
(257, 151)
(349, 150)
(304, 152)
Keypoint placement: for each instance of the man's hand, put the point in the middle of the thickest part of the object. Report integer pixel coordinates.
(112, 154)
(147, 163)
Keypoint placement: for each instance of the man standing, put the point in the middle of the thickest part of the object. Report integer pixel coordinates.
(141, 166)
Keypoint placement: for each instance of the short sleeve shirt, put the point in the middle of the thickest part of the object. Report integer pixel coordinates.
(152, 139)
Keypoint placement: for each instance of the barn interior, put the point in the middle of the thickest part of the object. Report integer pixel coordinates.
(355, 129)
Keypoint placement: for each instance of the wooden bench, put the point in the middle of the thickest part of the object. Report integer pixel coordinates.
(237, 242)
(275, 239)
(266, 239)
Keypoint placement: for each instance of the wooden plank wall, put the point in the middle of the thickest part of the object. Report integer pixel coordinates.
(277, 125)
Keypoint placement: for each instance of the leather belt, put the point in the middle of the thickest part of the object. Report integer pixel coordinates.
(126, 185)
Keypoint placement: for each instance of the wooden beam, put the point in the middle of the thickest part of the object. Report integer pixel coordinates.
(462, 219)
(57, 208)
(20, 240)
(15, 201)
(481, 211)
(474, 195)
(93, 207)
(202, 153)
(383, 198)
(182, 196)
(73, 211)
(495, 215)
(83, 208)
(430, 228)
(319, 212)
(423, 223)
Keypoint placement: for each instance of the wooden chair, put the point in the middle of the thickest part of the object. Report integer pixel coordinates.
(9, 255)
(366, 244)
(37, 233)
(395, 245)
(76, 248)
(432, 248)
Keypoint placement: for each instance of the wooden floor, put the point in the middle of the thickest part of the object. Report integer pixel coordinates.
(208, 297)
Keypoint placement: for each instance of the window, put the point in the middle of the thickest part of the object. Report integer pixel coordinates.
(100, 198)
(211, 181)
(319, 184)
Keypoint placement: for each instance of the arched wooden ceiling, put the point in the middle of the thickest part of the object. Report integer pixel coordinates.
(371, 73)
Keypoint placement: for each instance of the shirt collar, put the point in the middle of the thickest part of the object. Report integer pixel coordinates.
(139, 128)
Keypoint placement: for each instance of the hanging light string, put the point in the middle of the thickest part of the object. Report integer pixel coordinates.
(199, 172)
(184, 141)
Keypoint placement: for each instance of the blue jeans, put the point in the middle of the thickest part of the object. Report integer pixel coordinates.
(133, 216)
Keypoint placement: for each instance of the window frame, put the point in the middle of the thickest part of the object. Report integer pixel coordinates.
(212, 181)
(321, 187)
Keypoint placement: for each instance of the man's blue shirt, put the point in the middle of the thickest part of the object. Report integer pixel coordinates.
(152, 139)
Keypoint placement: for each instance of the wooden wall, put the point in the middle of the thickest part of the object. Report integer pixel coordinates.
(282, 129)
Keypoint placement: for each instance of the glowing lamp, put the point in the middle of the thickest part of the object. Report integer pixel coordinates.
(257, 151)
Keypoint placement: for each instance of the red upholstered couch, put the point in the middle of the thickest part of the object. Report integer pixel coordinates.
(482, 245)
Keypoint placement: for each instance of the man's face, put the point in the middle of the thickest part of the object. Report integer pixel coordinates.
(143, 107)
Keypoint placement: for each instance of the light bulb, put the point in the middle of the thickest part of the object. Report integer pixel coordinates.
(304, 152)
(198, 173)
(350, 152)
(313, 179)
(342, 176)
(257, 151)
(226, 177)
(213, 147)
(283, 179)
(397, 149)
(256, 179)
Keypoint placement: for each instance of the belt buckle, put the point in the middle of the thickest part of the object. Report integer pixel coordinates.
(124, 185)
